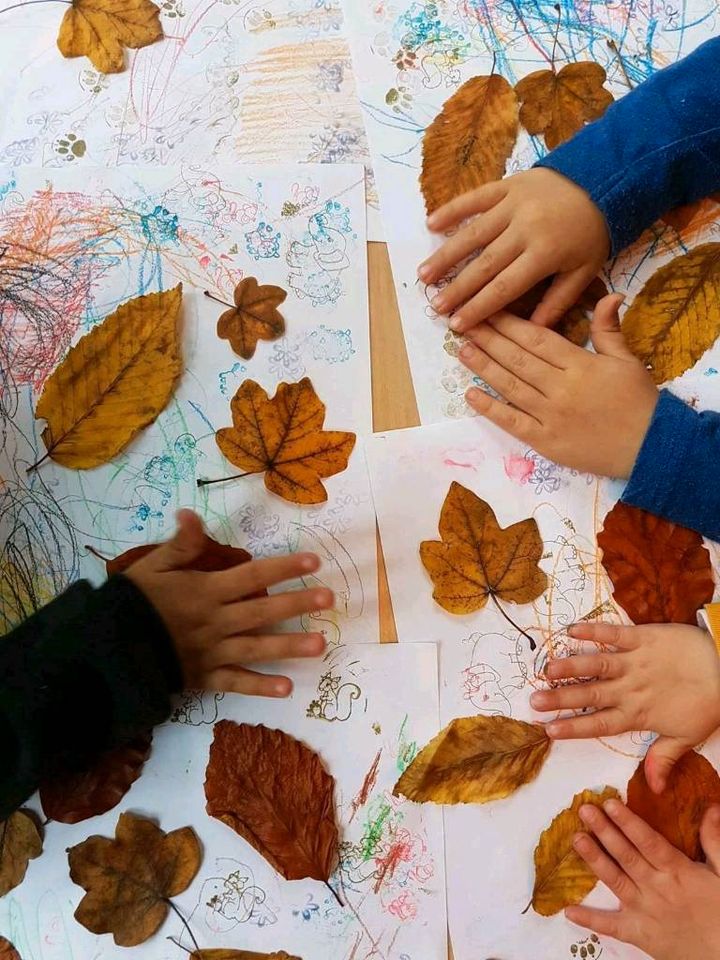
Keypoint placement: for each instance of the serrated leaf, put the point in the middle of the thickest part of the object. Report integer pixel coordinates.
(254, 317)
(112, 383)
(101, 29)
(20, 842)
(476, 760)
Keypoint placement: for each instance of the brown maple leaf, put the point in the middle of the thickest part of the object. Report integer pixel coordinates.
(20, 842)
(274, 792)
(661, 572)
(575, 324)
(284, 437)
(558, 104)
(100, 29)
(130, 879)
(254, 317)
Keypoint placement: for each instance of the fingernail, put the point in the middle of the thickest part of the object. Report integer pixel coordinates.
(424, 271)
(467, 350)
(552, 729)
(282, 688)
(612, 807)
(473, 395)
(309, 561)
(537, 699)
(313, 643)
(323, 598)
(550, 669)
(579, 840)
(432, 221)
(572, 630)
(456, 324)
(588, 812)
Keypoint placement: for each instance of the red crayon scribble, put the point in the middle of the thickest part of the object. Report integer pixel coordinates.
(399, 850)
(367, 786)
(519, 468)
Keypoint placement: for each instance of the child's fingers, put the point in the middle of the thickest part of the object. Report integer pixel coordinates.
(467, 204)
(258, 575)
(541, 343)
(562, 294)
(515, 357)
(507, 384)
(509, 284)
(605, 666)
(625, 854)
(604, 723)
(597, 694)
(248, 682)
(609, 634)
(605, 922)
(479, 233)
(652, 845)
(493, 260)
(261, 648)
(604, 868)
(236, 618)
(518, 424)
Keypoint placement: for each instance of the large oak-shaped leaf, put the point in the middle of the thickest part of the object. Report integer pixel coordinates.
(575, 324)
(477, 558)
(562, 877)
(76, 796)
(558, 104)
(678, 811)
(114, 382)
(20, 842)
(254, 317)
(284, 437)
(101, 29)
(222, 954)
(7, 950)
(469, 141)
(475, 760)
(676, 316)
(660, 572)
(130, 879)
(274, 792)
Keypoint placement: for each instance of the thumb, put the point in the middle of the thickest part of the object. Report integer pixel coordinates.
(185, 546)
(563, 293)
(660, 760)
(607, 336)
(710, 836)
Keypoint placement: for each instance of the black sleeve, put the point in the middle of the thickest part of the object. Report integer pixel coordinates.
(89, 671)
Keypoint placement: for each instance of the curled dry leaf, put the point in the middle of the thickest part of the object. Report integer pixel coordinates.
(676, 316)
(469, 141)
(284, 437)
(130, 879)
(562, 877)
(112, 383)
(20, 842)
(254, 317)
(661, 572)
(274, 792)
(7, 950)
(214, 557)
(100, 29)
(575, 325)
(73, 797)
(700, 213)
(678, 811)
(476, 760)
(558, 104)
(238, 955)
(477, 558)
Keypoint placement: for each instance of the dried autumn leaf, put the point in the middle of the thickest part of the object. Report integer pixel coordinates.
(214, 557)
(562, 877)
(476, 760)
(20, 842)
(575, 324)
(254, 317)
(8, 951)
(100, 29)
(238, 955)
(676, 316)
(73, 797)
(681, 217)
(477, 558)
(661, 572)
(284, 437)
(274, 792)
(558, 104)
(130, 879)
(678, 811)
(469, 141)
(112, 383)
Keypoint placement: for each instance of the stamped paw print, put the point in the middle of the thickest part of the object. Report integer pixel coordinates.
(589, 949)
(398, 98)
(92, 81)
(70, 147)
(173, 9)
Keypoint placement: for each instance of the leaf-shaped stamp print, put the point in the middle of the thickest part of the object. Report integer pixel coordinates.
(101, 29)
(254, 317)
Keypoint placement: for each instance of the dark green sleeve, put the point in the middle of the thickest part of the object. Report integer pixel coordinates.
(89, 671)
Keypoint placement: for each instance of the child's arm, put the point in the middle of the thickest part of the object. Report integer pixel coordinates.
(97, 667)
(654, 149)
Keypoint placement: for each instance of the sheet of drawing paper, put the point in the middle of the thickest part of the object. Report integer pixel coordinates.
(488, 667)
(233, 81)
(84, 241)
(391, 874)
(411, 55)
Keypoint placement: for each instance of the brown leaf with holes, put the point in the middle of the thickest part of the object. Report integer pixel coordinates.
(274, 791)
(558, 104)
(101, 29)
(254, 317)
(562, 877)
(476, 760)
(469, 141)
(130, 879)
(678, 811)
(20, 842)
(76, 796)
(676, 316)
(575, 325)
(478, 559)
(8, 951)
(661, 572)
(238, 955)
(284, 437)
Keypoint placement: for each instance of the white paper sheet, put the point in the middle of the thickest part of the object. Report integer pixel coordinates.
(391, 873)
(94, 239)
(487, 667)
(411, 55)
(233, 81)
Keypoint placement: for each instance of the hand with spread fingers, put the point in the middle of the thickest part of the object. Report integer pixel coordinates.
(531, 226)
(582, 410)
(668, 904)
(216, 622)
(643, 685)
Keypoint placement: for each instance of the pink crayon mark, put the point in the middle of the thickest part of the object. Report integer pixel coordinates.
(518, 468)
(205, 262)
(448, 462)
(403, 907)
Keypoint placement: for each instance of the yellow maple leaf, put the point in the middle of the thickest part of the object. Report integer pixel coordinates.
(101, 29)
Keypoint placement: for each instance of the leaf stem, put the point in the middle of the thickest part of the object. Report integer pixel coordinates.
(42, 460)
(31, 3)
(95, 553)
(184, 922)
(555, 38)
(614, 47)
(180, 946)
(533, 645)
(237, 476)
(526, 908)
(334, 893)
(218, 300)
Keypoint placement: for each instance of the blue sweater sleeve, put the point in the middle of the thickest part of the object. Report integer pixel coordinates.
(675, 474)
(656, 148)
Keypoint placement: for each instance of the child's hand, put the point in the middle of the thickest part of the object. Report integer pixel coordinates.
(586, 411)
(531, 226)
(664, 677)
(215, 625)
(669, 905)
